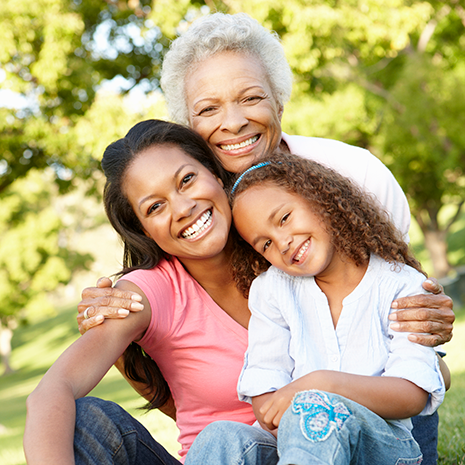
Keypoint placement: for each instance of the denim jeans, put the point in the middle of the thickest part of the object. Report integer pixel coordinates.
(354, 435)
(323, 428)
(106, 434)
(425, 432)
(233, 443)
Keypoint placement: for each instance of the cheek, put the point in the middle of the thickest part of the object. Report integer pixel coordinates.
(159, 231)
(204, 127)
(218, 196)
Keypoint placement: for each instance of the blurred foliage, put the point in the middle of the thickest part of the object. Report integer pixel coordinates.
(56, 57)
(382, 74)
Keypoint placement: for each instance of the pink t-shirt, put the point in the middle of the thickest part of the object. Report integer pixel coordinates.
(197, 346)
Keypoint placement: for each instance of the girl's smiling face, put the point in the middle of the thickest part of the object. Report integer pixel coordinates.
(283, 228)
(181, 205)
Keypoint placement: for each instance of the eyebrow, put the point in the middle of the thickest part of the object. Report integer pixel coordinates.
(175, 175)
(270, 218)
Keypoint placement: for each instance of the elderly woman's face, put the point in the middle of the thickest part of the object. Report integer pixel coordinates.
(231, 106)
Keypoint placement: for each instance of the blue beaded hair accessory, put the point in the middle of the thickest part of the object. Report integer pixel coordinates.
(239, 179)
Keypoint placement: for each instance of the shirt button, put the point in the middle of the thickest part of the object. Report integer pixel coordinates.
(334, 358)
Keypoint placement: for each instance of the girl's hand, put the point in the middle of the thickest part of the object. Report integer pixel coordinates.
(104, 301)
(430, 313)
(270, 407)
(275, 405)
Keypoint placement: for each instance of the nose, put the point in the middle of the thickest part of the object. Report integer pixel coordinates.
(182, 207)
(233, 119)
(284, 244)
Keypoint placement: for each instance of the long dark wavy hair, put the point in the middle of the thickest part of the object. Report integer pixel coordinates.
(140, 251)
(354, 219)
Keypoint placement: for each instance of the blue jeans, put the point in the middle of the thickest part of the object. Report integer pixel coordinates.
(425, 432)
(353, 435)
(106, 434)
(323, 428)
(233, 443)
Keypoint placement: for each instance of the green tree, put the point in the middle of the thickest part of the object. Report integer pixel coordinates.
(56, 55)
(424, 142)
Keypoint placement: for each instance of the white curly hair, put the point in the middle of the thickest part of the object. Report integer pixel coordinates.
(216, 33)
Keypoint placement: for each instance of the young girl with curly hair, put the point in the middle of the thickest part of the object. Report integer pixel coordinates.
(322, 362)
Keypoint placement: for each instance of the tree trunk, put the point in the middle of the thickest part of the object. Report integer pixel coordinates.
(436, 243)
(6, 334)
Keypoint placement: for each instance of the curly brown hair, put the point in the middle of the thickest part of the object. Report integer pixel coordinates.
(354, 219)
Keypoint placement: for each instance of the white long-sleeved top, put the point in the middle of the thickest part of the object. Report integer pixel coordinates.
(291, 333)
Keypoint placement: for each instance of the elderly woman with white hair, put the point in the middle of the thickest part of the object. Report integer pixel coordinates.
(228, 79)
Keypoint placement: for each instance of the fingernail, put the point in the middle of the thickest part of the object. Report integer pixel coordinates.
(137, 306)
(429, 281)
(136, 297)
(393, 316)
(394, 304)
(99, 318)
(394, 326)
(123, 312)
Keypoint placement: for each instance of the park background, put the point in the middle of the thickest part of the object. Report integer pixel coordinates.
(387, 75)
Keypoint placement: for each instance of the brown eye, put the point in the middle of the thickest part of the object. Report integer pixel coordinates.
(285, 218)
(187, 178)
(206, 110)
(153, 208)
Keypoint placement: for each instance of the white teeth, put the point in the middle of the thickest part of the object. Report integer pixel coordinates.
(241, 145)
(302, 250)
(200, 225)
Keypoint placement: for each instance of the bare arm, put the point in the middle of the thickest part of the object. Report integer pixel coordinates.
(107, 302)
(430, 313)
(445, 373)
(51, 411)
(386, 396)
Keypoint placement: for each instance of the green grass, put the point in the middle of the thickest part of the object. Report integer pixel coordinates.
(36, 347)
(452, 412)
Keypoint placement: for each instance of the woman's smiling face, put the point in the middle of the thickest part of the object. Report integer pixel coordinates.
(232, 107)
(181, 205)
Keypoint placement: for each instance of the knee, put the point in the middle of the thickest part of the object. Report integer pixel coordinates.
(98, 416)
(218, 431)
(316, 414)
(229, 442)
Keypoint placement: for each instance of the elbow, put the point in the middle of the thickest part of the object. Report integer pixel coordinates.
(447, 382)
(32, 400)
(418, 403)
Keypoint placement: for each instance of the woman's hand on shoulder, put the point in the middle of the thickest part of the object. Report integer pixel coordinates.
(105, 301)
(426, 313)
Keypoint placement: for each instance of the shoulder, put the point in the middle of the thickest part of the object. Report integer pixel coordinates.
(398, 278)
(275, 285)
(166, 288)
(313, 146)
(353, 162)
(162, 296)
(168, 275)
